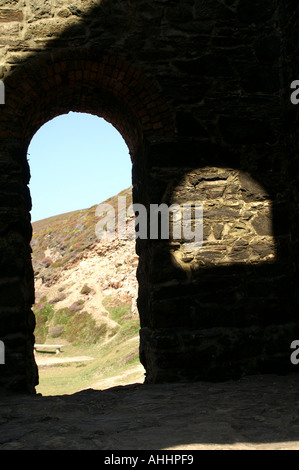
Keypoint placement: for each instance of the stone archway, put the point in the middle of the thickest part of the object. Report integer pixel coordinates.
(42, 89)
(68, 80)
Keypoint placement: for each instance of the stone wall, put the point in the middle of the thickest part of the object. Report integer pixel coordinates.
(197, 88)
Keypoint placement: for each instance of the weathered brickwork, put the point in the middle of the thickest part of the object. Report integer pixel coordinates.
(199, 90)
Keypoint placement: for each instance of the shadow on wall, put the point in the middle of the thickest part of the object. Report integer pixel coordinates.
(231, 306)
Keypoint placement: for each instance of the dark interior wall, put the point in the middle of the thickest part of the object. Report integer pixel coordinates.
(231, 308)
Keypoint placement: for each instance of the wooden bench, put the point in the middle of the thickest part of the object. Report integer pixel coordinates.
(49, 347)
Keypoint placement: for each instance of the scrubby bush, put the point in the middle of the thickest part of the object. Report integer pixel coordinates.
(59, 298)
(83, 329)
(42, 318)
(62, 316)
(85, 290)
(77, 306)
(76, 327)
(56, 331)
(46, 262)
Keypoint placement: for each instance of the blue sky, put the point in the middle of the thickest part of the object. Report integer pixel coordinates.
(76, 161)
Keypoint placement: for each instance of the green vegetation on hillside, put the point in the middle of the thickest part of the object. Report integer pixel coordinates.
(79, 327)
(114, 352)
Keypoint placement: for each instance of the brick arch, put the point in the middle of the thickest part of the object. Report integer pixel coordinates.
(83, 81)
(37, 91)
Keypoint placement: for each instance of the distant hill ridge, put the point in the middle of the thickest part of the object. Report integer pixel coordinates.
(40, 225)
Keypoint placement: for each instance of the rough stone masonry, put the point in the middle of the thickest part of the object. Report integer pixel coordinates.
(199, 90)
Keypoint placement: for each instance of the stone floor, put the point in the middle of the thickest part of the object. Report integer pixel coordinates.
(258, 412)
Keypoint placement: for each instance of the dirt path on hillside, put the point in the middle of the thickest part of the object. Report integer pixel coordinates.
(133, 375)
(258, 412)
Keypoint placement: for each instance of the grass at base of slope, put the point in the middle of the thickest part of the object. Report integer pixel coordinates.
(110, 360)
(112, 357)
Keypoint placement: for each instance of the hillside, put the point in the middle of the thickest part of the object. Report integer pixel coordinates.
(85, 288)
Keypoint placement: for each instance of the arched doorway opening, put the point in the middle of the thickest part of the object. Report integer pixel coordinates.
(42, 89)
(87, 323)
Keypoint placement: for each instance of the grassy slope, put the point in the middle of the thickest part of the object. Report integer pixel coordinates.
(114, 352)
(111, 359)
